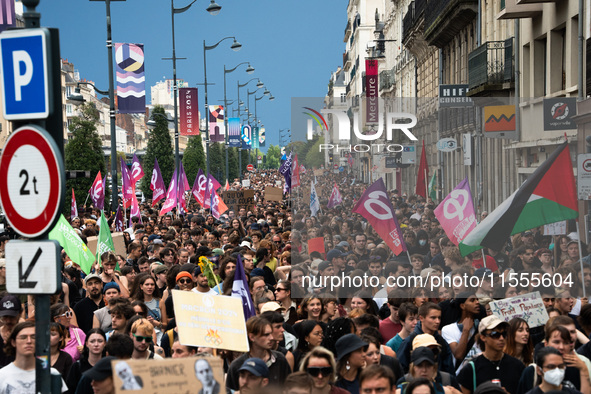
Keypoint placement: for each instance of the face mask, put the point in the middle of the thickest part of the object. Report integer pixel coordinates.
(422, 242)
(554, 376)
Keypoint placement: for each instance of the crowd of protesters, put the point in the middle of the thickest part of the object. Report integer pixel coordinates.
(309, 338)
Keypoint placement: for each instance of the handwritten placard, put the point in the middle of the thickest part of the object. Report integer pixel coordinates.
(236, 199)
(273, 194)
(214, 321)
(171, 375)
(529, 307)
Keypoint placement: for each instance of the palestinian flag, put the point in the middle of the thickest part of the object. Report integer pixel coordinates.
(547, 196)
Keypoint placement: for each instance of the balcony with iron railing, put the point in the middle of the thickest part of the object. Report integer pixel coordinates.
(386, 79)
(490, 67)
(515, 9)
(444, 19)
(346, 60)
(347, 31)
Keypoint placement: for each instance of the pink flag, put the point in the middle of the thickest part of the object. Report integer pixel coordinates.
(97, 192)
(73, 207)
(119, 226)
(198, 190)
(217, 205)
(295, 176)
(456, 213)
(137, 171)
(375, 206)
(135, 210)
(171, 196)
(157, 184)
(335, 197)
(183, 187)
(127, 188)
(212, 186)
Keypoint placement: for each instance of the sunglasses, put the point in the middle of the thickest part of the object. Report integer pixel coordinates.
(278, 289)
(497, 334)
(67, 314)
(139, 338)
(316, 371)
(185, 281)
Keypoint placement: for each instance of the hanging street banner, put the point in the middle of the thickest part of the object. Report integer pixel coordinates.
(559, 113)
(371, 91)
(189, 111)
(246, 136)
(255, 137)
(131, 90)
(217, 129)
(262, 137)
(234, 132)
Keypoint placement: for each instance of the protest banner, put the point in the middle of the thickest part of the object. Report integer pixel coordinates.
(273, 194)
(210, 321)
(316, 245)
(239, 199)
(246, 183)
(278, 183)
(318, 172)
(529, 307)
(558, 228)
(171, 375)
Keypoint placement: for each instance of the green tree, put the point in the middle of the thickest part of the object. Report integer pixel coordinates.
(273, 157)
(217, 162)
(233, 164)
(159, 147)
(84, 153)
(314, 158)
(194, 158)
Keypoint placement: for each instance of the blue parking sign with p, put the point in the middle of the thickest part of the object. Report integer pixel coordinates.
(25, 75)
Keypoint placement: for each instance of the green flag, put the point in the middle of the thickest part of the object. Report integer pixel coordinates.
(72, 244)
(433, 187)
(105, 242)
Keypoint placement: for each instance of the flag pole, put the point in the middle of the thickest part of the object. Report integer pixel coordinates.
(426, 185)
(85, 201)
(483, 257)
(581, 261)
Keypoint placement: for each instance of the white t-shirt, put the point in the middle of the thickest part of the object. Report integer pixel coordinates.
(452, 334)
(16, 380)
(210, 292)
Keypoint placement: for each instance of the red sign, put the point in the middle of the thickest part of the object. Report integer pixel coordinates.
(371, 91)
(32, 184)
(189, 111)
(250, 167)
(335, 166)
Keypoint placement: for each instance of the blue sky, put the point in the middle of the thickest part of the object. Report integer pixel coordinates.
(293, 45)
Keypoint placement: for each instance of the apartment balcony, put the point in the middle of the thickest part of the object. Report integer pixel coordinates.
(386, 80)
(413, 28)
(346, 61)
(511, 10)
(348, 31)
(491, 68)
(348, 89)
(355, 102)
(444, 19)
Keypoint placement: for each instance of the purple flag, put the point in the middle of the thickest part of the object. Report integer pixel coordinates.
(335, 197)
(456, 213)
(285, 169)
(137, 172)
(171, 196)
(119, 226)
(127, 187)
(183, 186)
(157, 184)
(199, 187)
(240, 289)
(212, 186)
(375, 206)
(97, 192)
(7, 14)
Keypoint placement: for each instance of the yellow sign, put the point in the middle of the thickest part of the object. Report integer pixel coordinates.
(210, 321)
(171, 375)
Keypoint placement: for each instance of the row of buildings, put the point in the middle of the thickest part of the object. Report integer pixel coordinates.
(519, 53)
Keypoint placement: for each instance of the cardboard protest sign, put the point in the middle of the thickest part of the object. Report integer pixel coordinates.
(118, 242)
(318, 172)
(246, 183)
(316, 245)
(273, 194)
(529, 307)
(210, 321)
(236, 199)
(171, 375)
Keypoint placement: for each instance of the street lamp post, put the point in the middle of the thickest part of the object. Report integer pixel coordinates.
(256, 121)
(213, 9)
(249, 70)
(235, 47)
(114, 199)
(259, 84)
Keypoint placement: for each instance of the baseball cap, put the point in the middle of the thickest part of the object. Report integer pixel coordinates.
(246, 244)
(480, 272)
(490, 322)
(255, 366)
(324, 265)
(489, 388)
(343, 244)
(421, 354)
(271, 306)
(92, 276)
(424, 340)
(526, 233)
(334, 253)
(153, 237)
(101, 370)
(160, 269)
(218, 252)
(10, 306)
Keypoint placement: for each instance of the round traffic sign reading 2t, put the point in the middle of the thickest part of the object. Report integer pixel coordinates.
(31, 181)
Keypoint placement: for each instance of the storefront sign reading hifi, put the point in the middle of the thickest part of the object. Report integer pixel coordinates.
(32, 185)
(454, 96)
